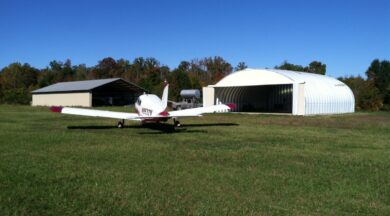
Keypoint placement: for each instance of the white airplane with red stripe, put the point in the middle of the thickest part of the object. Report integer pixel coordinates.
(150, 108)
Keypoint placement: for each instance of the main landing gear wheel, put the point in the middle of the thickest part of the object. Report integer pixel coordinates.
(176, 123)
(121, 124)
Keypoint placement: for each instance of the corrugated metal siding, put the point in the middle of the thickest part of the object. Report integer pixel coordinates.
(323, 94)
(325, 97)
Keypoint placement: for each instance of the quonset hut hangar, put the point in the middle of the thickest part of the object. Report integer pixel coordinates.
(102, 92)
(281, 91)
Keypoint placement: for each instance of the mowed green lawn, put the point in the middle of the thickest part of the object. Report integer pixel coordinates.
(222, 164)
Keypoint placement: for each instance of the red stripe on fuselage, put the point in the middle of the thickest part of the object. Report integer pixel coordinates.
(164, 113)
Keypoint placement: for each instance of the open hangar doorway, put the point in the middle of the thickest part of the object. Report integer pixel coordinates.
(117, 93)
(262, 98)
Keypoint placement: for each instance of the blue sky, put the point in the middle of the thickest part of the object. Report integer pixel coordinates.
(346, 35)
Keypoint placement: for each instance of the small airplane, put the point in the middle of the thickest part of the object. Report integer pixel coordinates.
(150, 108)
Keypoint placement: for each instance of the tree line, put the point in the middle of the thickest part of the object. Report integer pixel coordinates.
(371, 93)
(18, 80)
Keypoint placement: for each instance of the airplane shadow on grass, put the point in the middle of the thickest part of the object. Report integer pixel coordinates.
(159, 128)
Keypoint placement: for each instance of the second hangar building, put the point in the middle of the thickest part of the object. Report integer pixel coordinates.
(88, 93)
(281, 91)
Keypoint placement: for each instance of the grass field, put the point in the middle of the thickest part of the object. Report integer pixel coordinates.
(224, 164)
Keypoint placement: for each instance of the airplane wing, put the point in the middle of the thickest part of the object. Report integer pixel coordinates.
(201, 110)
(96, 113)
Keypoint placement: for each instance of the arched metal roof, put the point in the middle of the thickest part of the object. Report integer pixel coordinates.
(254, 77)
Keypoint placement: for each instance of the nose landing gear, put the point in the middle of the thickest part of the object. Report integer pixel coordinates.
(176, 123)
(121, 124)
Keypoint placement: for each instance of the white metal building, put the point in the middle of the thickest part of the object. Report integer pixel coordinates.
(281, 91)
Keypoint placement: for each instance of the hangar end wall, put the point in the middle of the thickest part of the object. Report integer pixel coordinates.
(82, 99)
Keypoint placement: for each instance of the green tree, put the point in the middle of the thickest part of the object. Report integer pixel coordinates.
(55, 71)
(192, 72)
(217, 68)
(150, 74)
(1, 88)
(179, 80)
(164, 72)
(367, 96)
(379, 73)
(123, 69)
(240, 66)
(16, 96)
(17, 75)
(288, 66)
(45, 78)
(68, 71)
(316, 67)
(81, 72)
(137, 68)
(17, 81)
(106, 68)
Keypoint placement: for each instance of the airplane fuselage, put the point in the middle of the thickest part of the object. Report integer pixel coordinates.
(151, 105)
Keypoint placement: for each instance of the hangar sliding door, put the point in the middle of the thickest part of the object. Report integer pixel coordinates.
(266, 98)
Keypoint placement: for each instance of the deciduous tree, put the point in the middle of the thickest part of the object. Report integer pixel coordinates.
(240, 66)
(314, 67)
(367, 96)
(379, 73)
(16, 82)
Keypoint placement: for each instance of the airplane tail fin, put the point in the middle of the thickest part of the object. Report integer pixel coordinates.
(164, 97)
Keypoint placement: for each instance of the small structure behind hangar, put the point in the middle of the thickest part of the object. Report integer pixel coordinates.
(281, 91)
(102, 92)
